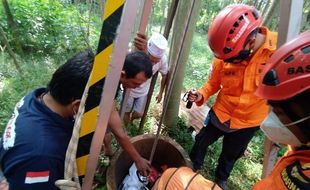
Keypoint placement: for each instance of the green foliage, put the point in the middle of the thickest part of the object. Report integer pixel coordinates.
(46, 26)
(208, 11)
(132, 130)
(158, 12)
(247, 170)
(198, 63)
(181, 134)
(37, 72)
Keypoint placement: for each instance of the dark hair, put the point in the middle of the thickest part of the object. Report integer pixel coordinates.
(136, 62)
(69, 80)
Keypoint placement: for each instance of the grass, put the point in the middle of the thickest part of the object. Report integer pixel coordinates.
(36, 73)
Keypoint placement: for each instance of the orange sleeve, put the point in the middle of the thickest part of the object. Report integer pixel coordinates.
(213, 84)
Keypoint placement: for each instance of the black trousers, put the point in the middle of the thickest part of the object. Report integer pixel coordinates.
(234, 145)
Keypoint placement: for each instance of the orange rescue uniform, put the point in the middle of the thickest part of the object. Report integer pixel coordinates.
(292, 171)
(183, 178)
(237, 83)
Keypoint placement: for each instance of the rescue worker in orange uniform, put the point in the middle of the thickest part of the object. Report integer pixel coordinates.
(183, 178)
(241, 47)
(286, 86)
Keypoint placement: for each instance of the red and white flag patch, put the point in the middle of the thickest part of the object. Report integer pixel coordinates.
(37, 177)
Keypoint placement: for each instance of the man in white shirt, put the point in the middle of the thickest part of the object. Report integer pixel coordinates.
(155, 47)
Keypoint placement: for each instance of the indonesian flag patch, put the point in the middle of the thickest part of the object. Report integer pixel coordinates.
(37, 177)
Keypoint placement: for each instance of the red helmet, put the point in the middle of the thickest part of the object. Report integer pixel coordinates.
(287, 71)
(230, 28)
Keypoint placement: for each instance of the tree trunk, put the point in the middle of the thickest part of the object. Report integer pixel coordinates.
(264, 10)
(164, 5)
(151, 21)
(12, 26)
(171, 14)
(101, 4)
(179, 65)
(255, 3)
(10, 51)
(260, 4)
(270, 13)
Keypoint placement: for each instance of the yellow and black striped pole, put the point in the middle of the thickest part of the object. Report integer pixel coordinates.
(103, 82)
(111, 19)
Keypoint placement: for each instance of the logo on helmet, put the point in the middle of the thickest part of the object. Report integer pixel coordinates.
(242, 30)
(298, 70)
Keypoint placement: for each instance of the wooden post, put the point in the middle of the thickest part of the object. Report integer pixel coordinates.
(106, 72)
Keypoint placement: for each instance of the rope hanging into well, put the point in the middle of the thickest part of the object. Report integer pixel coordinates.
(169, 89)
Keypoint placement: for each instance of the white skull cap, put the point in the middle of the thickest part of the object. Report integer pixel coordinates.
(157, 45)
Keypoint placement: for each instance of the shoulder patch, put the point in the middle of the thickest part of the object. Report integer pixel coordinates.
(37, 177)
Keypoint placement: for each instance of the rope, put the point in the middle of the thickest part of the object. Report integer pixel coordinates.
(169, 89)
(167, 183)
(70, 161)
(190, 181)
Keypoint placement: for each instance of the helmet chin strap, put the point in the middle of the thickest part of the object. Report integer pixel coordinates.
(296, 122)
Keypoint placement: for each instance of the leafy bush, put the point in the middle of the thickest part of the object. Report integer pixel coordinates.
(180, 134)
(46, 26)
(37, 72)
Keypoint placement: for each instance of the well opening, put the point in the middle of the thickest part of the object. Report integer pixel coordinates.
(168, 152)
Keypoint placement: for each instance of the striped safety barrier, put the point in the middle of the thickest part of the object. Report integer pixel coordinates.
(111, 20)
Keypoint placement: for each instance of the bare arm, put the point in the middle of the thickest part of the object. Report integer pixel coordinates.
(115, 124)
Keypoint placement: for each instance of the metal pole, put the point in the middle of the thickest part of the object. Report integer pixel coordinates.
(109, 89)
(147, 9)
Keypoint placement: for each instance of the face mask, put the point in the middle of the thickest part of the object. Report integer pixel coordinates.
(276, 131)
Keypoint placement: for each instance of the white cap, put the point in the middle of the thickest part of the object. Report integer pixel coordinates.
(157, 45)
